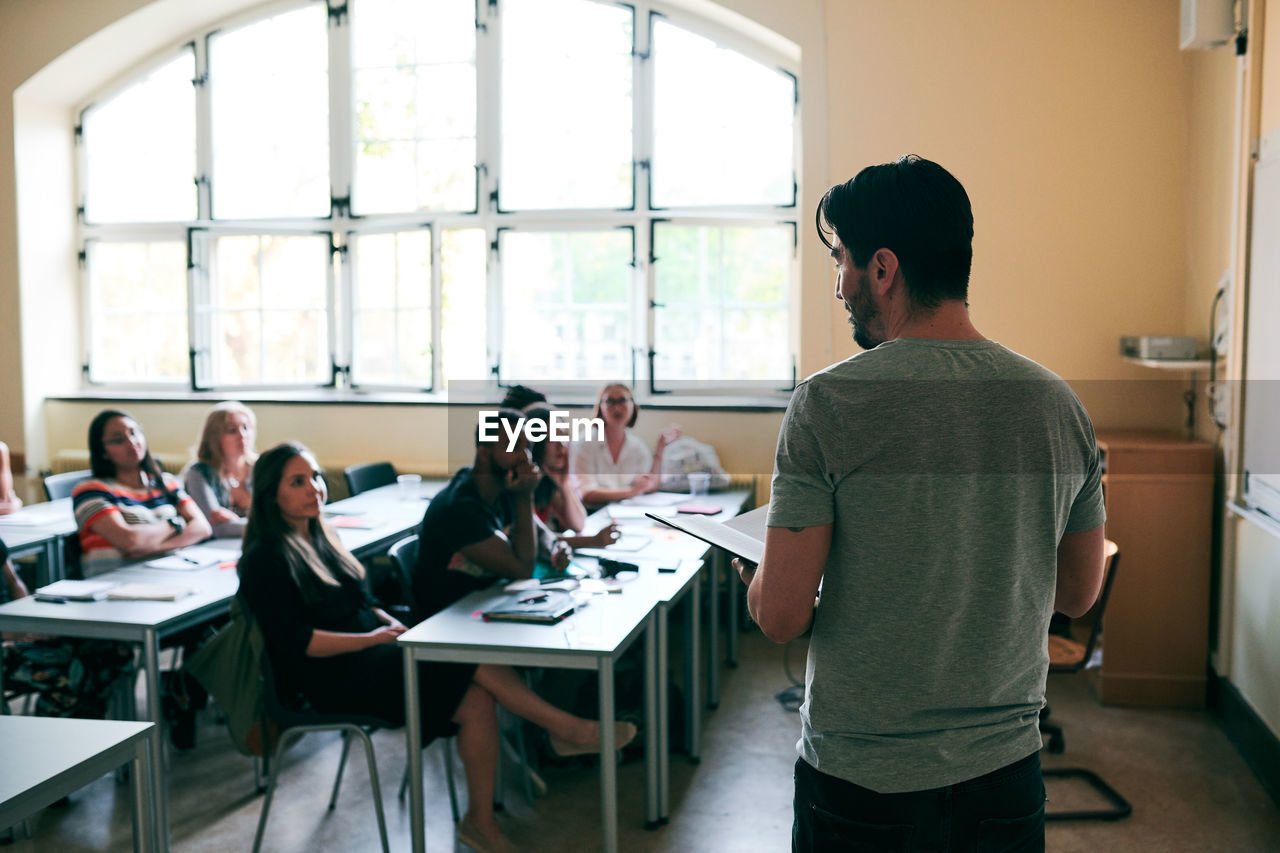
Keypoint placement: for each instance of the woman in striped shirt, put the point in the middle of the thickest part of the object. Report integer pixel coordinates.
(129, 508)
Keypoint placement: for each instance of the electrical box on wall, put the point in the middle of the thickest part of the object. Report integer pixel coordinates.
(1207, 23)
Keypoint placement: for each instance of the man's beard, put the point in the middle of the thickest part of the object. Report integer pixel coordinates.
(862, 311)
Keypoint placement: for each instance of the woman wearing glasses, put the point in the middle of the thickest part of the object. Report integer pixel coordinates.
(621, 466)
(129, 508)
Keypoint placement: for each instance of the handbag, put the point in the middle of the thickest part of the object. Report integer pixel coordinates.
(229, 667)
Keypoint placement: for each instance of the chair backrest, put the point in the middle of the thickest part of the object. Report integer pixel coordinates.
(404, 556)
(57, 486)
(1111, 561)
(362, 478)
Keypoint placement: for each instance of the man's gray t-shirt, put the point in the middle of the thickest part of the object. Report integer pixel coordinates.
(950, 470)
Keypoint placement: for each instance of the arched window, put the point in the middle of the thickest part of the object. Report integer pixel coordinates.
(397, 194)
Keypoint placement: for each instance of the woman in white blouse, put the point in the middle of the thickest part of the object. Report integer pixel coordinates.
(621, 466)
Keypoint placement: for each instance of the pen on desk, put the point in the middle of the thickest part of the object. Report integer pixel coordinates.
(51, 599)
(189, 560)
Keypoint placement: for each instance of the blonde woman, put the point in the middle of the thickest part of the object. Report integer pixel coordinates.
(220, 481)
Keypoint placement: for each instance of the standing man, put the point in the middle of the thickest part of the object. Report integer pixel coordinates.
(945, 493)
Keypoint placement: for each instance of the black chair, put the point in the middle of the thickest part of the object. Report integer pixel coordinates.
(404, 556)
(295, 722)
(1067, 655)
(362, 478)
(57, 486)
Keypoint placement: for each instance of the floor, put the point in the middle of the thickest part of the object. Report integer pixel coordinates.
(1190, 790)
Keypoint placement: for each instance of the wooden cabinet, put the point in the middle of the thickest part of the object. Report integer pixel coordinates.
(1159, 495)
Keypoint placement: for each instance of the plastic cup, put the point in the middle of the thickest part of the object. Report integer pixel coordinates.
(410, 486)
(699, 482)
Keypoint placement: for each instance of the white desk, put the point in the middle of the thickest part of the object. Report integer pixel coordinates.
(148, 622)
(143, 622)
(48, 758)
(39, 529)
(670, 544)
(391, 515)
(458, 635)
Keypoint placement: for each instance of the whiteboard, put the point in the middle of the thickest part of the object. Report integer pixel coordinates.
(1262, 341)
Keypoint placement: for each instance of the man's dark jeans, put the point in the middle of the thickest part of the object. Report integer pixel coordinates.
(1001, 811)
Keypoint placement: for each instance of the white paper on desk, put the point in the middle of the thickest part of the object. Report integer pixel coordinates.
(654, 499)
(534, 583)
(149, 592)
(627, 543)
(76, 590)
(619, 512)
(192, 558)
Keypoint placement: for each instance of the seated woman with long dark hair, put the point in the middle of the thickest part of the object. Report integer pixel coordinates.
(332, 645)
(129, 508)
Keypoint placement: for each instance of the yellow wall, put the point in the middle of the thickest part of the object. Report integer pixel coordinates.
(417, 438)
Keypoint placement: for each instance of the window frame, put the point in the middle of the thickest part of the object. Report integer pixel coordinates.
(344, 226)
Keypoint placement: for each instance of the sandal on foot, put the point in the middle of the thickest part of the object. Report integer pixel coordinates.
(623, 734)
(470, 836)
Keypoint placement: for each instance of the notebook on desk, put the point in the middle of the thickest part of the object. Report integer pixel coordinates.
(69, 590)
(535, 607)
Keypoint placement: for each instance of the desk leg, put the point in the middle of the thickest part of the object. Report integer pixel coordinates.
(661, 622)
(693, 675)
(159, 786)
(713, 630)
(413, 734)
(143, 819)
(608, 759)
(654, 675)
(49, 565)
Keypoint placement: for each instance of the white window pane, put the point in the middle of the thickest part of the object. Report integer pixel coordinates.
(295, 347)
(463, 255)
(138, 311)
(237, 348)
(140, 149)
(294, 272)
(566, 305)
(415, 103)
(723, 293)
(392, 322)
(269, 88)
(267, 311)
(566, 105)
(723, 125)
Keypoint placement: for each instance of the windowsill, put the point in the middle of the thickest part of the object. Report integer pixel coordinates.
(347, 397)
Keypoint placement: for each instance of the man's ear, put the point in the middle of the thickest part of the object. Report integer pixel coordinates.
(884, 270)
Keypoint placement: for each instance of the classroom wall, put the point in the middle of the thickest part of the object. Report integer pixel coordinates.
(1067, 122)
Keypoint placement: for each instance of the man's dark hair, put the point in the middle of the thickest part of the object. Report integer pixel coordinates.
(916, 209)
(519, 396)
(513, 417)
